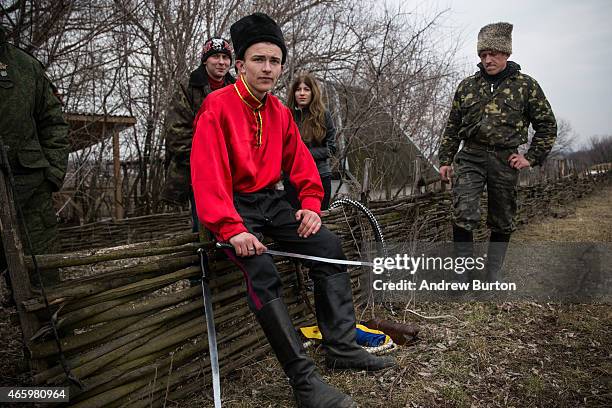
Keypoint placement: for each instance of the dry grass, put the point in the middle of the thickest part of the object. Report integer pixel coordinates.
(508, 355)
(591, 222)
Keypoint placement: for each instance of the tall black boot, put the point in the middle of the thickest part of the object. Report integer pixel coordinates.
(463, 243)
(336, 319)
(498, 245)
(309, 389)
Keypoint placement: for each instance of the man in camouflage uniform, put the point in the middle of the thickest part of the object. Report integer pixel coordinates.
(491, 113)
(212, 74)
(35, 137)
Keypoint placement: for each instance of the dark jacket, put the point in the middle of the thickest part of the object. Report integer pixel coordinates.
(500, 116)
(186, 102)
(321, 153)
(32, 126)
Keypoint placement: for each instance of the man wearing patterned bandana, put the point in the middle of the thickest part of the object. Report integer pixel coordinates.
(212, 74)
(244, 137)
(490, 113)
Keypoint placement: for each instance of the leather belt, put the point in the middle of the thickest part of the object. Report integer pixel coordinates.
(488, 147)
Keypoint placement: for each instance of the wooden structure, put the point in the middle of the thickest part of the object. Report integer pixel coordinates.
(89, 129)
(368, 130)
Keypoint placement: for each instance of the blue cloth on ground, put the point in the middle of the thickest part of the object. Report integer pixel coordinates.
(369, 338)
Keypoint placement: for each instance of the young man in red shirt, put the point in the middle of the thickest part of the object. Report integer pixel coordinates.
(244, 137)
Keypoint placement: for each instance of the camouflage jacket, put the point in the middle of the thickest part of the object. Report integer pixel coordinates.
(32, 127)
(184, 106)
(500, 116)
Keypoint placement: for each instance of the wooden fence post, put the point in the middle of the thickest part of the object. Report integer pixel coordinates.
(13, 253)
(417, 176)
(118, 192)
(365, 186)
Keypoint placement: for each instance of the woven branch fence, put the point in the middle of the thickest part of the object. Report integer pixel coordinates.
(145, 228)
(124, 231)
(132, 327)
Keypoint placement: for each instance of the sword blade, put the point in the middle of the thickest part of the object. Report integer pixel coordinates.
(318, 258)
(210, 329)
(212, 345)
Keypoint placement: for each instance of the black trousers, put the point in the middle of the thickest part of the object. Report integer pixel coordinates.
(267, 213)
(292, 194)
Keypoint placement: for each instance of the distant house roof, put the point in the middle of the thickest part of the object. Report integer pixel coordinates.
(371, 131)
(88, 129)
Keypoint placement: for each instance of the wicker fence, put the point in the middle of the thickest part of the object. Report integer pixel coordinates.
(110, 232)
(131, 325)
(139, 229)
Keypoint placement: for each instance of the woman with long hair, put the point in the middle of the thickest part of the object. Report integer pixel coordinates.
(317, 131)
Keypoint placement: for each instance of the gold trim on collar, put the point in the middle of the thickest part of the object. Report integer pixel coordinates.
(250, 92)
(260, 103)
(256, 110)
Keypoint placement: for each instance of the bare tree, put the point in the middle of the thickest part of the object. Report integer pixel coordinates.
(124, 57)
(596, 150)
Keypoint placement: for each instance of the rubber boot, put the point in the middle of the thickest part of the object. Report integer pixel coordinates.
(498, 245)
(463, 243)
(336, 319)
(309, 389)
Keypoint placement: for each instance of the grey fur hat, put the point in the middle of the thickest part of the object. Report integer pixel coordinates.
(495, 37)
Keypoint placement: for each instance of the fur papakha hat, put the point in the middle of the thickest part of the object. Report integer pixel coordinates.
(495, 37)
(258, 27)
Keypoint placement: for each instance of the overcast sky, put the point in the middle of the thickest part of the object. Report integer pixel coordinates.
(566, 45)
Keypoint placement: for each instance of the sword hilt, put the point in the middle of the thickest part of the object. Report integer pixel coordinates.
(204, 263)
(224, 245)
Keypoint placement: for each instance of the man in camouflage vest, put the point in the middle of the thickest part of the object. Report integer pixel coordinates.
(212, 74)
(35, 138)
(491, 113)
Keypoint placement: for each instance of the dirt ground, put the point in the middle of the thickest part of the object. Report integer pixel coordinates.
(495, 355)
(489, 354)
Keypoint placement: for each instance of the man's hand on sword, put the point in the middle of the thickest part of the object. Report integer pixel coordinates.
(247, 244)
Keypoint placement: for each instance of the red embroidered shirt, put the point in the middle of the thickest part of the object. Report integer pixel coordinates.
(241, 144)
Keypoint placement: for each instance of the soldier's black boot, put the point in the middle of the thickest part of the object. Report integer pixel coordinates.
(336, 319)
(309, 389)
(463, 243)
(498, 244)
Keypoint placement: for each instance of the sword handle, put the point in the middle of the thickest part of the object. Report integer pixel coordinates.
(224, 245)
(204, 263)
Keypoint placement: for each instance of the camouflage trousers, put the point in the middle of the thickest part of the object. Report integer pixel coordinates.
(41, 222)
(474, 168)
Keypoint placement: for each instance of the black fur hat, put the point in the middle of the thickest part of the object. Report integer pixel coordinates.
(258, 27)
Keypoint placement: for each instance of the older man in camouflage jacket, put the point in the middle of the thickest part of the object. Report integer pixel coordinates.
(491, 113)
(212, 74)
(35, 138)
